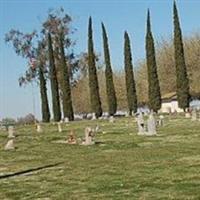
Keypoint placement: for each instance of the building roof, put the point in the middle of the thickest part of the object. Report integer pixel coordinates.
(169, 96)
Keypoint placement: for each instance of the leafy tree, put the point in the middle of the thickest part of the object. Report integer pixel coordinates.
(26, 45)
(8, 121)
(182, 82)
(93, 80)
(65, 84)
(29, 47)
(153, 82)
(54, 82)
(28, 119)
(110, 89)
(129, 76)
(58, 22)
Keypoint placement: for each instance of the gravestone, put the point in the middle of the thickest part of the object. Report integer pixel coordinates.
(66, 120)
(96, 129)
(89, 134)
(194, 115)
(94, 116)
(11, 132)
(105, 117)
(161, 120)
(146, 114)
(59, 127)
(199, 114)
(127, 114)
(140, 124)
(151, 125)
(111, 119)
(72, 138)
(187, 115)
(9, 145)
(39, 128)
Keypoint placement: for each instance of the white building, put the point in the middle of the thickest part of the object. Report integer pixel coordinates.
(170, 103)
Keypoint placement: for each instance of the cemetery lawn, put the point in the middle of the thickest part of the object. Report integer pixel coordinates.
(121, 166)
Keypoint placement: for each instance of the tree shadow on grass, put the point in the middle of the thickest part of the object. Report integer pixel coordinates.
(29, 170)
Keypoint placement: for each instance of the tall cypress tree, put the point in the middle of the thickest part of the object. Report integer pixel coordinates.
(130, 82)
(153, 82)
(110, 89)
(93, 80)
(182, 82)
(65, 83)
(54, 82)
(43, 93)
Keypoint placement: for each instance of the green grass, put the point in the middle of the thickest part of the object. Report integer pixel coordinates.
(124, 166)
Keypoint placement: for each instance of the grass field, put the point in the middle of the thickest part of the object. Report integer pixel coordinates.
(122, 166)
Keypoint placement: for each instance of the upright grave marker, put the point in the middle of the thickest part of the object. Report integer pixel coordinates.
(11, 132)
(39, 128)
(9, 145)
(89, 134)
(140, 124)
(151, 125)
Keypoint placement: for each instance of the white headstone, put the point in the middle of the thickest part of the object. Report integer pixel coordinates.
(199, 114)
(140, 124)
(105, 117)
(88, 136)
(187, 115)
(111, 119)
(96, 128)
(39, 128)
(11, 132)
(127, 114)
(66, 120)
(94, 116)
(194, 115)
(146, 114)
(9, 145)
(161, 120)
(59, 127)
(151, 125)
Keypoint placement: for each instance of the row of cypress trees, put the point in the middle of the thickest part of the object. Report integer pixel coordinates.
(110, 89)
(182, 81)
(154, 92)
(153, 80)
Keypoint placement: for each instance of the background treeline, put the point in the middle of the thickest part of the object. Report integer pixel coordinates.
(166, 74)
